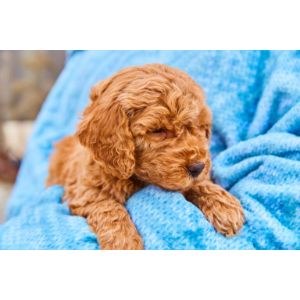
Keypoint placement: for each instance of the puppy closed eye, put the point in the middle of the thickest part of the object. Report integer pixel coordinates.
(159, 130)
(161, 133)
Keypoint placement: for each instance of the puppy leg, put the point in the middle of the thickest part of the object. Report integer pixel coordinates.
(112, 224)
(222, 209)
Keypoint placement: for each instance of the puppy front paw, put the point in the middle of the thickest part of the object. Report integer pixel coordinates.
(222, 209)
(227, 217)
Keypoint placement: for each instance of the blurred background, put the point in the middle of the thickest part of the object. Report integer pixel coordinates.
(25, 80)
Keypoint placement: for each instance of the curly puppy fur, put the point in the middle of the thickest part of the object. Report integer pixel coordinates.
(144, 125)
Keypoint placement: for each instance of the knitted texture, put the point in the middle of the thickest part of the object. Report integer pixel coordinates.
(255, 100)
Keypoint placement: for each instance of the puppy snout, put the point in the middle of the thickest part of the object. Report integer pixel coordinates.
(196, 169)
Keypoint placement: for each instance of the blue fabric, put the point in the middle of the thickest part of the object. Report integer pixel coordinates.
(255, 99)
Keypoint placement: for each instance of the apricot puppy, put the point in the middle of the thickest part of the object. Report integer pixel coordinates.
(144, 125)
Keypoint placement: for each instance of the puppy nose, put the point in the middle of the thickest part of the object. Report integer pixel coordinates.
(196, 169)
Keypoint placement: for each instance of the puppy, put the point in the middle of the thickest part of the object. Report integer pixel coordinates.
(144, 125)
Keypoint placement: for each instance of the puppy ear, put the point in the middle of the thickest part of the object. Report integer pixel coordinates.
(104, 130)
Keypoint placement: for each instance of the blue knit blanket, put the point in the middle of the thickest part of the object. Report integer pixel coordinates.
(255, 100)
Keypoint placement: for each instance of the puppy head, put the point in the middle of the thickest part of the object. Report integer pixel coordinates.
(150, 122)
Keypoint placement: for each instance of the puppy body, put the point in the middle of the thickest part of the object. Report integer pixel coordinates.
(145, 125)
